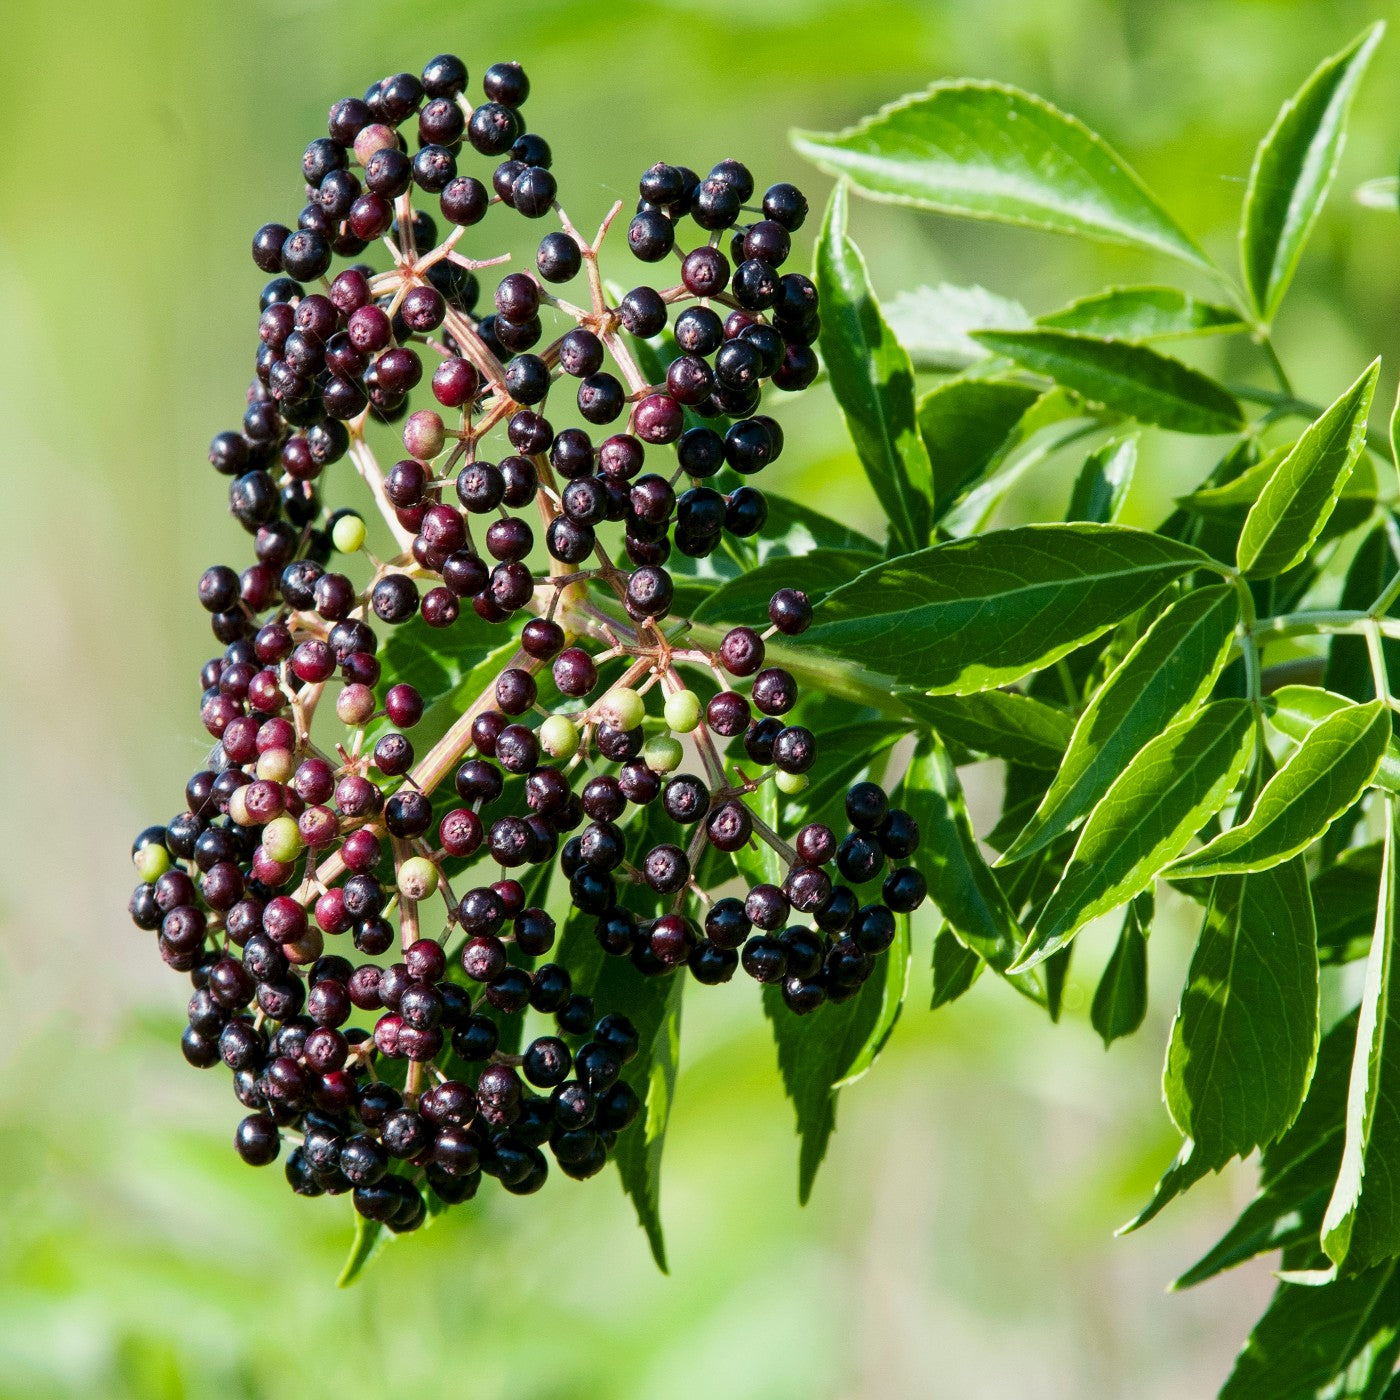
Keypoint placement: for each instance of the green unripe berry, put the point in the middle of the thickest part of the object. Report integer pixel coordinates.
(790, 783)
(152, 862)
(348, 534)
(559, 737)
(622, 708)
(683, 711)
(662, 753)
(418, 878)
(281, 839)
(278, 765)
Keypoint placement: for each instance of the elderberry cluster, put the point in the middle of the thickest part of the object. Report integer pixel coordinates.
(395, 1074)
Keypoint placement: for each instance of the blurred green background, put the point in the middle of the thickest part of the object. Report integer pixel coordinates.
(959, 1241)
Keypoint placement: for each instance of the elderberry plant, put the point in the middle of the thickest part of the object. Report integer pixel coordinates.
(600, 717)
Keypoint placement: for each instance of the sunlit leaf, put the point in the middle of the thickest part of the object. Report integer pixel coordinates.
(873, 382)
(960, 884)
(986, 151)
(1296, 1172)
(965, 424)
(1323, 776)
(1294, 505)
(1293, 170)
(1004, 724)
(972, 614)
(934, 324)
(1362, 1224)
(1296, 710)
(1245, 1035)
(1131, 379)
(1171, 668)
(1143, 313)
(1173, 786)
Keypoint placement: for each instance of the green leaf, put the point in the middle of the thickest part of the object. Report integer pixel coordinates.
(819, 1053)
(1293, 170)
(653, 1005)
(986, 151)
(846, 751)
(1002, 723)
(1120, 1000)
(1310, 1336)
(932, 323)
(1172, 787)
(873, 382)
(971, 614)
(965, 891)
(965, 424)
(1344, 895)
(1294, 506)
(1133, 380)
(1362, 1224)
(1056, 419)
(1295, 1173)
(370, 1238)
(1187, 1168)
(1170, 669)
(1103, 481)
(744, 598)
(1232, 499)
(1296, 710)
(449, 670)
(1324, 775)
(757, 860)
(1142, 313)
(1245, 1034)
(955, 968)
(795, 529)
